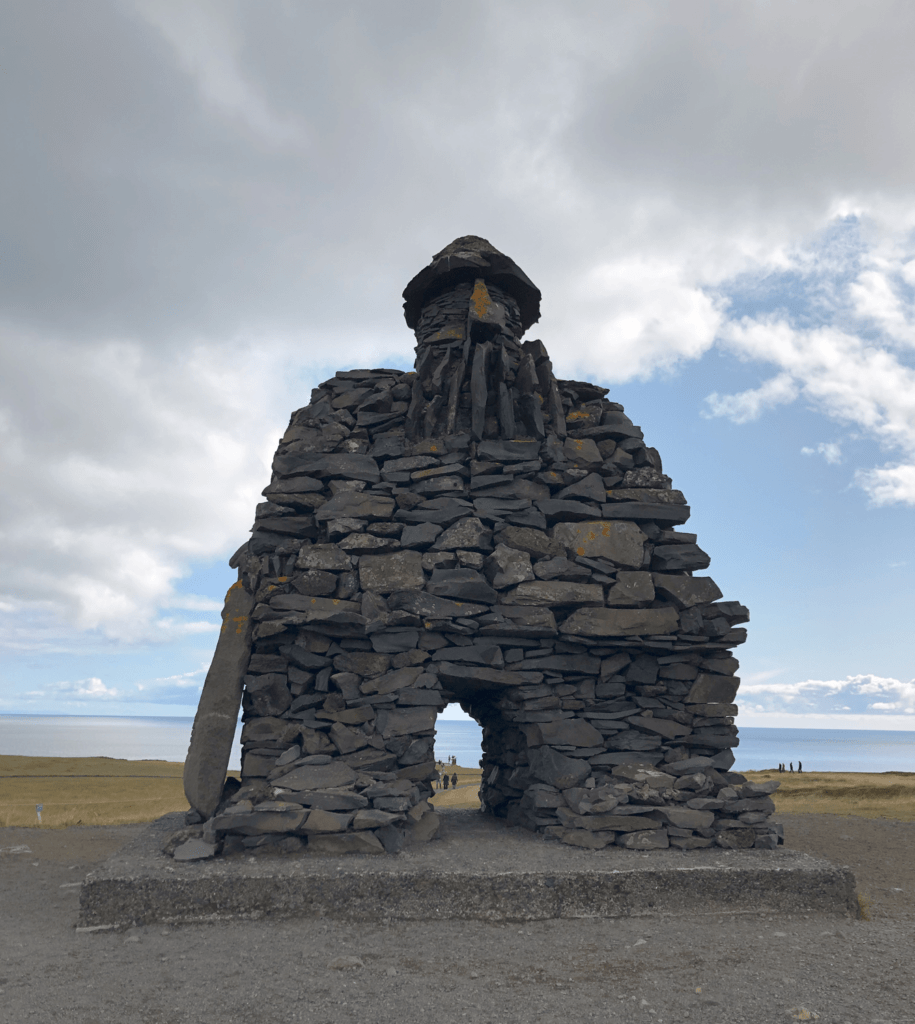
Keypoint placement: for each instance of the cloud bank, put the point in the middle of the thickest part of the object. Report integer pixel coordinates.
(218, 203)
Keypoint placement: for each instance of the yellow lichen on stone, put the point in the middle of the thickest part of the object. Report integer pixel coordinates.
(444, 334)
(480, 299)
(580, 415)
(239, 622)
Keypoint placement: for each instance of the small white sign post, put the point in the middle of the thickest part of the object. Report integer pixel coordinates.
(38, 809)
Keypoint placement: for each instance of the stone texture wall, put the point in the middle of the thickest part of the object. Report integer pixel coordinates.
(478, 531)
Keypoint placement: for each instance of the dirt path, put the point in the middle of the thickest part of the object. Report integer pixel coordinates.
(709, 970)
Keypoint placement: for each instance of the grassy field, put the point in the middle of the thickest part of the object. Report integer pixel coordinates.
(108, 791)
(860, 794)
(87, 790)
(465, 796)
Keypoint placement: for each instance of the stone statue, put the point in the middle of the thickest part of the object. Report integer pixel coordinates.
(474, 531)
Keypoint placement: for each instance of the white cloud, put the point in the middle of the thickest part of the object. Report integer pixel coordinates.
(847, 377)
(860, 694)
(830, 451)
(84, 689)
(207, 41)
(192, 602)
(237, 193)
(750, 405)
(750, 678)
(141, 464)
(824, 720)
(635, 316)
(180, 689)
(169, 689)
(889, 485)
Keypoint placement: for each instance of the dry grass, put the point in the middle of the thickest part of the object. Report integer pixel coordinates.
(860, 794)
(466, 796)
(87, 790)
(95, 801)
(109, 791)
(74, 767)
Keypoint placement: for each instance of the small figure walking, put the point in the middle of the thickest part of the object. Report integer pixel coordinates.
(454, 781)
(791, 766)
(445, 781)
(800, 767)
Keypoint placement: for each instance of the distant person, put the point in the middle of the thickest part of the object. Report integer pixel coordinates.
(800, 767)
(791, 768)
(445, 781)
(454, 781)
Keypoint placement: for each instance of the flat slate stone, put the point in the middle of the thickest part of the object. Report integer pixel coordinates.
(554, 592)
(356, 505)
(567, 511)
(429, 606)
(441, 516)
(620, 542)
(686, 591)
(383, 574)
(306, 603)
(679, 556)
(622, 622)
(217, 711)
(509, 451)
(573, 732)
(345, 464)
(631, 589)
(453, 674)
(668, 514)
(462, 585)
(711, 688)
(317, 776)
(326, 557)
(534, 542)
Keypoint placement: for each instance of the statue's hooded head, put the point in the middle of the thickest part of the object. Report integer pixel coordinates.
(466, 260)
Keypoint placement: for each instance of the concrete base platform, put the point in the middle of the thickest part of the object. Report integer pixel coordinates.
(478, 869)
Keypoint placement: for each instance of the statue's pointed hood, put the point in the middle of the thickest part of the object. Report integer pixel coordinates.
(466, 259)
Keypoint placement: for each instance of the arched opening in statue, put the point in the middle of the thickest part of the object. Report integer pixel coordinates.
(503, 773)
(517, 780)
(458, 757)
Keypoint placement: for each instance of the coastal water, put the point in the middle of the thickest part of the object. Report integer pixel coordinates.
(166, 739)
(137, 739)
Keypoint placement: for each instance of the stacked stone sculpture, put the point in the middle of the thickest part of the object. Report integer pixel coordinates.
(475, 531)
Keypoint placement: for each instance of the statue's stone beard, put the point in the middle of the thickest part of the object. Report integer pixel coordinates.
(473, 374)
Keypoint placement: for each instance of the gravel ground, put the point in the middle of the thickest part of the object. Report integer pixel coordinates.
(702, 969)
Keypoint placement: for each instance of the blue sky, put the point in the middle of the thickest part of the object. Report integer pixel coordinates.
(218, 205)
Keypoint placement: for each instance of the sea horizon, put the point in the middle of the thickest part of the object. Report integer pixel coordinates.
(166, 738)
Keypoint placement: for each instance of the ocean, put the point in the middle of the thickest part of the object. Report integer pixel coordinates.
(166, 739)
